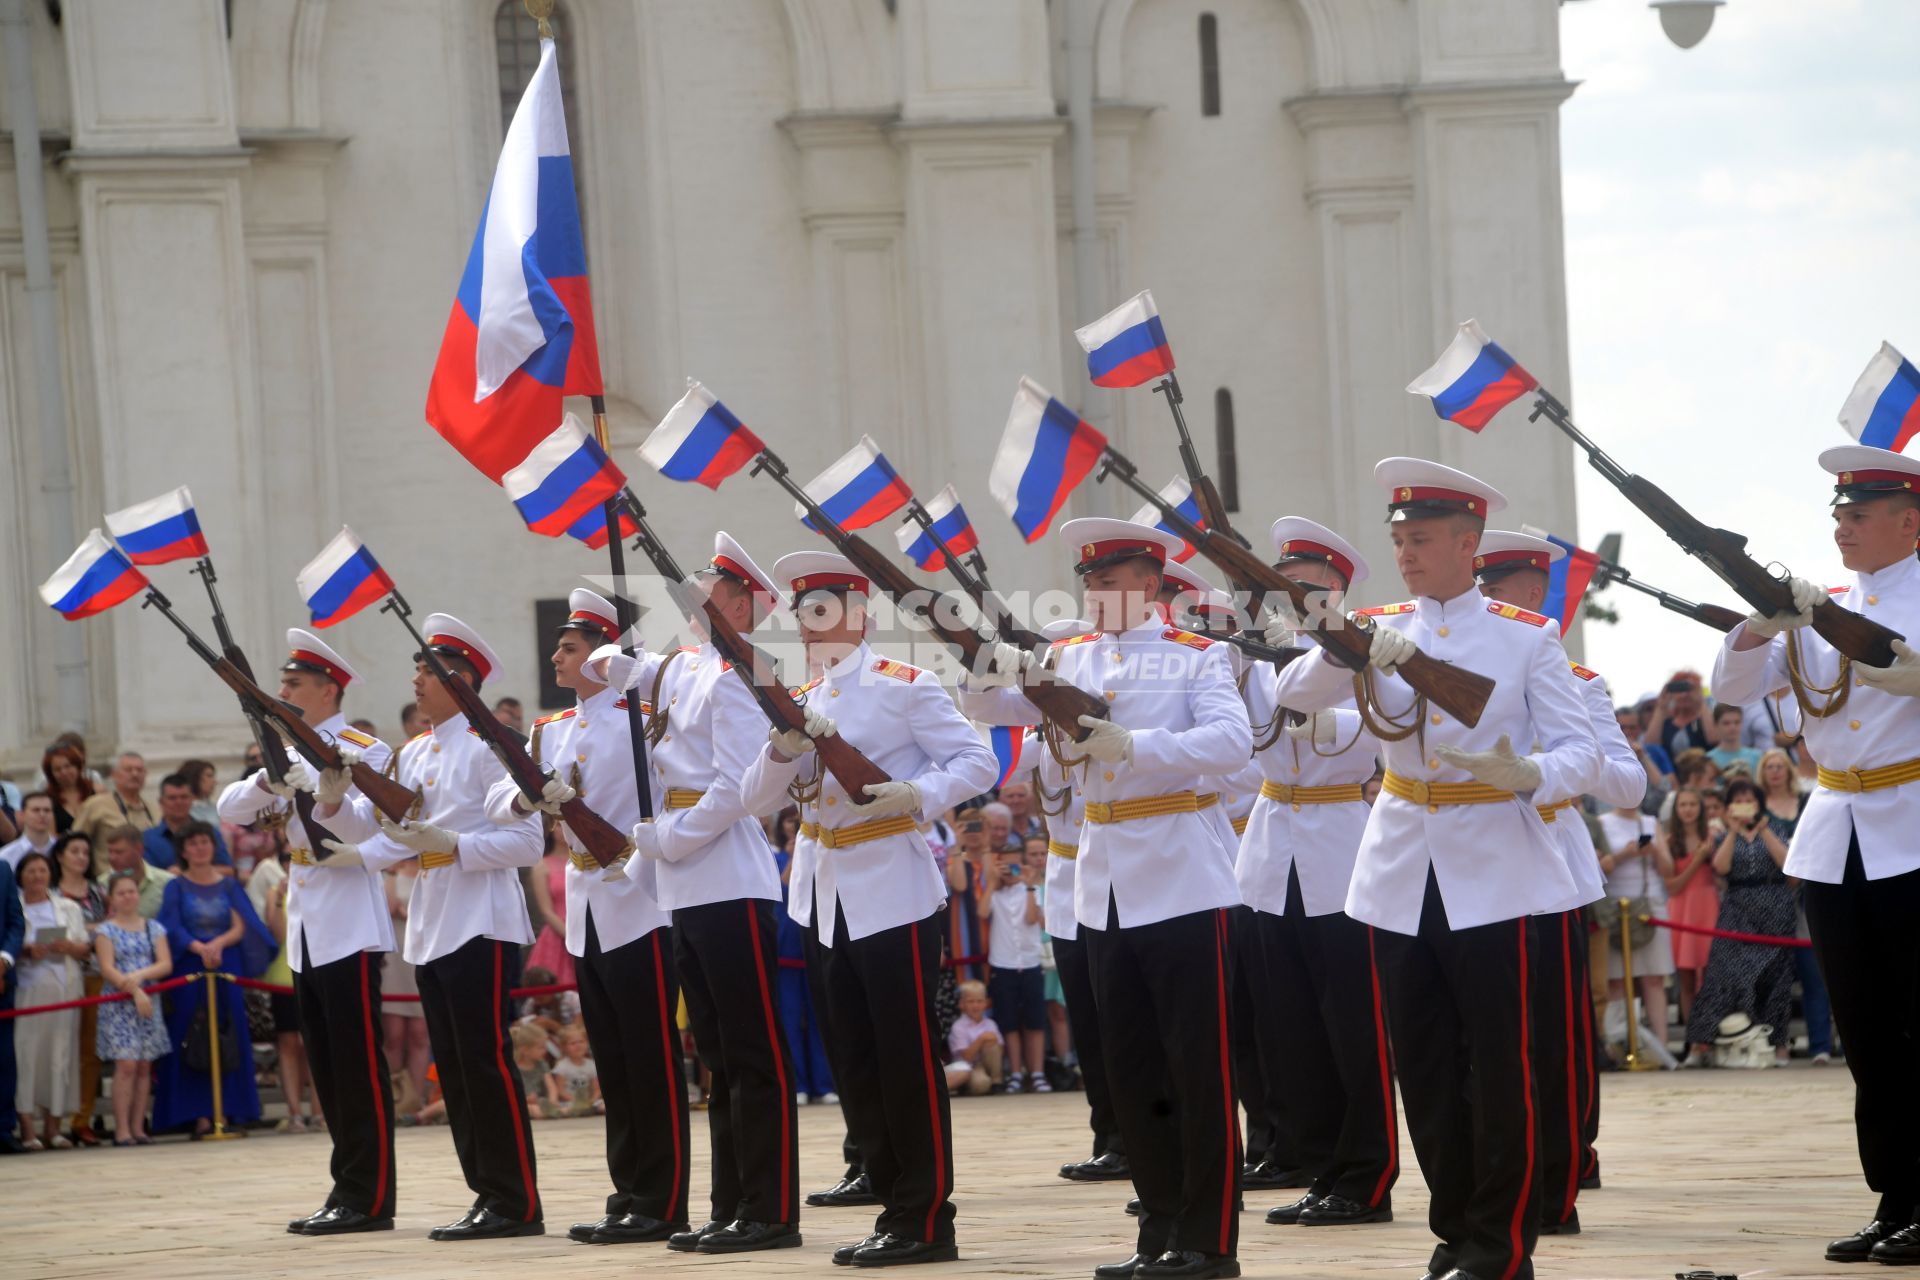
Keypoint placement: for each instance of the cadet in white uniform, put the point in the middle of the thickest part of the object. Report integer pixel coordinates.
(864, 879)
(1456, 858)
(1153, 887)
(1321, 1015)
(1854, 847)
(1513, 569)
(338, 927)
(466, 924)
(617, 934)
(717, 876)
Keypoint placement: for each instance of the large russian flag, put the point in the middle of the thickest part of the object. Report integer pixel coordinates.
(861, 488)
(699, 440)
(566, 476)
(1180, 496)
(1884, 408)
(1047, 450)
(94, 579)
(159, 530)
(950, 522)
(1473, 379)
(342, 580)
(521, 333)
(1127, 346)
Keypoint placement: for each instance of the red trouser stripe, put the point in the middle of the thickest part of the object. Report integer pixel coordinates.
(1226, 1082)
(516, 1097)
(673, 1078)
(1386, 1078)
(933, 1070)
(1573, 1071)
(1518, 1231)
(790, 1210)
(379, 1104)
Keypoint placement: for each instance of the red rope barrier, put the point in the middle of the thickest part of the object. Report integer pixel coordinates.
(89, 1001)
(1766, 939)
(517, 993)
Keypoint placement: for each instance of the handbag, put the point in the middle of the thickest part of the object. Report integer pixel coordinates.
(196, 1053)
(1606, 913)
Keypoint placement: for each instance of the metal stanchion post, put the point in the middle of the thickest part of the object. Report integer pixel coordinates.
(1634, 1061)
(219, 1131)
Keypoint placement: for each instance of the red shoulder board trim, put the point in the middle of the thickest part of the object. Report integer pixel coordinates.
(1187, 638)
(558, 715)
(475, 732)
(646, 708)
(1387, 610)
(804, 689)
(416, 737)
(689, 648)
(898, 670)
(1583, 672)
(1061, 644)
(1515, 612)
(619, 704)
(356, 737)
(1838, 591)
(726, 665)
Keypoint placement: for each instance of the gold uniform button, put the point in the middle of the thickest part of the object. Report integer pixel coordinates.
(1296, 768)
(581, 757)
(436, 746)
(1296, 808)
(1436, 717)
(833, 693)
(1873, 599)
(1858, 683)
(1433, 808)
(1853, 724)
(1443, 633)
(831, 802)
(1111, 695)
(1434, 763)
(429, 781)
(1108, 775)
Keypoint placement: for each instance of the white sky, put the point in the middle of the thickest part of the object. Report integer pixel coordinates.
(1743, 231)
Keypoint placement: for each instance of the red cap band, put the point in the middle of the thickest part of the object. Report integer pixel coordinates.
(307, 657)
(1092, 551)
(830, 582)
(1520, 555)
(1415, 493)
(1303, 549)
(734, 569)
(480, 665)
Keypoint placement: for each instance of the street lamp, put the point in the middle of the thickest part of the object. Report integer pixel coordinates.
(1686, 22)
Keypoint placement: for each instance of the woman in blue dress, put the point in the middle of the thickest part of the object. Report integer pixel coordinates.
(210, 924)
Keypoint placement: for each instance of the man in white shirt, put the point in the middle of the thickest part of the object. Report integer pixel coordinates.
(37, 832)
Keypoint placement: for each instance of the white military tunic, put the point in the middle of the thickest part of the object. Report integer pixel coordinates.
(1872, 730)
(1492, 861)
(452, 771)
(1175, 691)
(1619, 782)
(1063, 830)
(345, 907)
(592, 736)
(904, 721)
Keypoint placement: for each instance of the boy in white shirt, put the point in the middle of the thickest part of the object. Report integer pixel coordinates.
(1016, 985)
(974, 1042)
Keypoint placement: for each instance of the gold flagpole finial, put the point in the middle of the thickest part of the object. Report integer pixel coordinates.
(539, 10)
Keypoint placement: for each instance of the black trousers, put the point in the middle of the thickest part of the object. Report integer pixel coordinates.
(628, 997)
(1324, 1024)
(891, 1069)
(1562, 1019)
(1458, 1010)
(1256, 1072)
(1083, 1020)
(1169, 987)
(340, 1025)
(468, 1011)
(815, 955)
(1588, 1071)
(728, 960)
(1869, 953)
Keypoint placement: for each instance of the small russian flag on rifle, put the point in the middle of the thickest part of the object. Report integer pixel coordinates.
(1006, 743)
(1127, 346)
(858, 490)
(159, 530)
(1884, 409)
(342, 580)
(950, 522)
(567, 476)
(94, 579)
(1473, 379)
(1047, 450)
(699, 440)
(1567, 579)
(1179, 495)
(591, 528)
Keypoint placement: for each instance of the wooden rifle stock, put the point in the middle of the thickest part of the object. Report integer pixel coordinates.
(1715, 616)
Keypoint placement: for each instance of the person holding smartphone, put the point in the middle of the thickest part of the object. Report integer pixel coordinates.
(1755, 978)
(1637, 868)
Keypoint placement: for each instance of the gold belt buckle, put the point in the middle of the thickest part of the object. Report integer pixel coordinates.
(1419, 792)
(1855, 781)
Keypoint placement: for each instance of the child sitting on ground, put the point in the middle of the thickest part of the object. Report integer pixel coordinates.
(573, 1085)
(530, 1059)
(974, 1042)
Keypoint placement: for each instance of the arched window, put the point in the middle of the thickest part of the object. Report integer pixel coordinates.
(516, 46)
(1228, 455)
(1209, 65)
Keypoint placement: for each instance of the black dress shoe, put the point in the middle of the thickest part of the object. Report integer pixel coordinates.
(636, 1228)
(464, 1220)
(1266, 1176)
(1288, 1214)
(898, 1251)
(1334, 1211)
(1121, 1270)
(1108, 1166)
(1590, 1183)
(583, 1231)
(1188, 1264)
(741, 1236)
(1133, 1206)
(1458, 1273)
(345, 1222)
(1858, 1247)
(299, 1225)
(1901, 1249)
(485, 1224)
(1570, 1227)
(688, 1241)
(843, 1256)
(854, 1188)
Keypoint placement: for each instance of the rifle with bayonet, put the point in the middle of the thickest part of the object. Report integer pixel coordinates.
(1725, 552)
(1462, 694)
(849, 767)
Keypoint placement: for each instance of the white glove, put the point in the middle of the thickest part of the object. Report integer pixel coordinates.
(1318, 728)
(886, 799)
(421, 837)
(342, 854)
(617, 869)
(554, 794)
(646, 840)
(1108, 742)
(1499, 767)
(1805, 596)
(793, 744)
(1008, 668)
(1902, 676)
(1389, 649)
(333, 784)
(1279, 625)
(290, 782)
